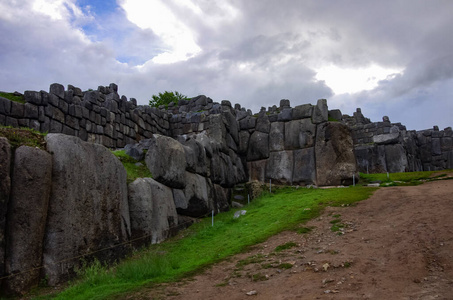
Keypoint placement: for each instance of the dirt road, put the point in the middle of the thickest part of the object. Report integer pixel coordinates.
(396, 245)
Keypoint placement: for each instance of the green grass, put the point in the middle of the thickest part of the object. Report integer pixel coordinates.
(254, 259)
(201, 245)
(303, 230)
(13, 97)
(23, 137)
(331, 119)
(134, 168)
(285, 246)
(401, 179)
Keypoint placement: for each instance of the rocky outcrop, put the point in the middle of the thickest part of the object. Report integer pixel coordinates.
(334, 150)
(27, 214)
(88, 208)
(5, 187)
(195, 199)
(166, 161)
(152, 211)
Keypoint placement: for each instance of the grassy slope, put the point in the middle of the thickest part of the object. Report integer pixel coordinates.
(202, 244)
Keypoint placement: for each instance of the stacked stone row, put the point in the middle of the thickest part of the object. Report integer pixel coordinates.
(99, 116)
(436, 148)
(279, 144)
(389, 147)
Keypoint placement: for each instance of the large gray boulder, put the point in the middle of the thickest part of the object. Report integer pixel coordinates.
(221, 198)
(217, 132)
(244, 137)
(396, 159)
(262, 123)
(88, 207)
(223, 171)
(231, 125)
(304, 166)
(258, 146)
(302, 111)
(277, 136)
(371, 158)
(387, 138)
(194, 200)
(196, 160)
(279, 167)
(152, 211)
(335, 160)
(5, 187)
(166, 160)
(299, 134)
(320, 112)
(27, 215)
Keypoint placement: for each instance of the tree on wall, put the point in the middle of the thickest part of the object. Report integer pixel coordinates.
(167, 98)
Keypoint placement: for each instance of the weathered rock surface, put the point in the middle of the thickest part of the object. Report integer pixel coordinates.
(277, 136)
(152, 211)
(388, 138)
(371, 158)
(395, 158)
(335, 160)
(196, 159)
(88, 207)
(27, 214)
(279, 167)
(304, 166)
(221, 197)
(166, 161)
(299, 134)
(195, 200)
(257, 170)
(258, 146)
(5, 187)
(320, 112)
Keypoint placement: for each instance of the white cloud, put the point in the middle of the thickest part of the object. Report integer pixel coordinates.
(178, 40)
(354, 80)
(249, 52)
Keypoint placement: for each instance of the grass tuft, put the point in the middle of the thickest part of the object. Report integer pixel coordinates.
(23, 137)
(285, 246)
(13, 97)
(135, 169)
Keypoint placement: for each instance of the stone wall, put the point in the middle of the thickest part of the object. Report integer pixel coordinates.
(71, 203)
(389, 147)
(100, 116)
(77, 202)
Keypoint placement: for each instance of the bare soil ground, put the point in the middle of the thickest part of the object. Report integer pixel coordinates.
(398, 244)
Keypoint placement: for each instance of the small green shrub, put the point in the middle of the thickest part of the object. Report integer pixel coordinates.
(166, 98)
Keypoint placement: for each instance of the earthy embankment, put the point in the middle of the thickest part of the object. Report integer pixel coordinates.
(396, 245)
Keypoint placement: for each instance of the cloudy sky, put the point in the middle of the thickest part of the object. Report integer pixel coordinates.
(390, 58)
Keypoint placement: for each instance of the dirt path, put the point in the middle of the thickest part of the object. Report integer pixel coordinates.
(396, 245)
